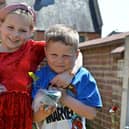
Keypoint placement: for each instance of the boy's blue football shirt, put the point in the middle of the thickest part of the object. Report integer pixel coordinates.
(83, 81)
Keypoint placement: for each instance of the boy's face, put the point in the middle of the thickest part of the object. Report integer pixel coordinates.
(60, 57)
(15, 30)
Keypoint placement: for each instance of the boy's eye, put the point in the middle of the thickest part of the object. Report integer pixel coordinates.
(10, 27)
(67, 56)
(53, 55)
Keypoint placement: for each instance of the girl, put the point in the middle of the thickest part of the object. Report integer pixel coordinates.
(18, 56)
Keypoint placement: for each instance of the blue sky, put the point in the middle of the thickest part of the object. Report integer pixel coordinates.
(115, 15)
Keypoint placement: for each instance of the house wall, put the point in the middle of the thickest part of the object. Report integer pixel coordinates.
(90, 36)
(76, 19)
(39, 35)
(125, 94)
(106, 69)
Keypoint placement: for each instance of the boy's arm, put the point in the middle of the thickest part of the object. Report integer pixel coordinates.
(42, 113)
(78, 107)
(87, 96)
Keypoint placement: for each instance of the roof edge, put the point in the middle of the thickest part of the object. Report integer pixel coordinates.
(103, 41)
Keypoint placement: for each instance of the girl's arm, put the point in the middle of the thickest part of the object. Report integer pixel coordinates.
(78, 63)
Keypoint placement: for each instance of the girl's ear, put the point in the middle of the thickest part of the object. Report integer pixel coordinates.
(0, 24)
(32, 29)
(31, 32)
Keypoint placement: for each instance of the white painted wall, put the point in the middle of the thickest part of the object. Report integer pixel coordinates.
(74, 13)
(30, 2)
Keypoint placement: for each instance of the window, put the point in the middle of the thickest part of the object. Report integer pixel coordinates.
(81, 38)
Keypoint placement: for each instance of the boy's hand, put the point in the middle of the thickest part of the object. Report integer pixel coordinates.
(43, 112)
(62, 80)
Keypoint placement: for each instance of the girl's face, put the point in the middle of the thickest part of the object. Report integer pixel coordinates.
(15, 30)
(60, 57)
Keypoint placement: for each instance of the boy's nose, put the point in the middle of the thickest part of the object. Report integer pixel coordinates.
(60, 59)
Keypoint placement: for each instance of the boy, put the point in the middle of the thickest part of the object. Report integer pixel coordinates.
(80, 102)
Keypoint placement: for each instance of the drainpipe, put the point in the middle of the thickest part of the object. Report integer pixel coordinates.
(124, 118)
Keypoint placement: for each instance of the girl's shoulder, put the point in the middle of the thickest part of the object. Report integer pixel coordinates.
(32, 45)
(36, 43)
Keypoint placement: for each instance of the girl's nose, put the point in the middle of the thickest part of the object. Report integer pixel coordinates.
(15, 35)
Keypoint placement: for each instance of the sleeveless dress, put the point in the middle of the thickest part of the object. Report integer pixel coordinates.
(15, 103)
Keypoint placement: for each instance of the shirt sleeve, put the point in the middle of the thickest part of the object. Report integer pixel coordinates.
(37, 54)
(45, 75)
(38, 47)
(88, 91)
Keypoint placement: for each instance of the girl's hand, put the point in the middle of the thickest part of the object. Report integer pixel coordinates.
(62, 80)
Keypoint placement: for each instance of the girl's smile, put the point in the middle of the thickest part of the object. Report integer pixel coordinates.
(15, 30)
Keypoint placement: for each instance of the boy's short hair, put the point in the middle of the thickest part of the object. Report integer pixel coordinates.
(63, 33)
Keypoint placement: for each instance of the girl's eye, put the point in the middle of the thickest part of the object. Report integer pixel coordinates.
(22, 30)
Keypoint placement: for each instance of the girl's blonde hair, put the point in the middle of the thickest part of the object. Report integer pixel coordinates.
(18, 8)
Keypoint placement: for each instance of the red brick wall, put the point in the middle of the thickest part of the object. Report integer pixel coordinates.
(39, 35)
(103, 65)
(90, 36)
